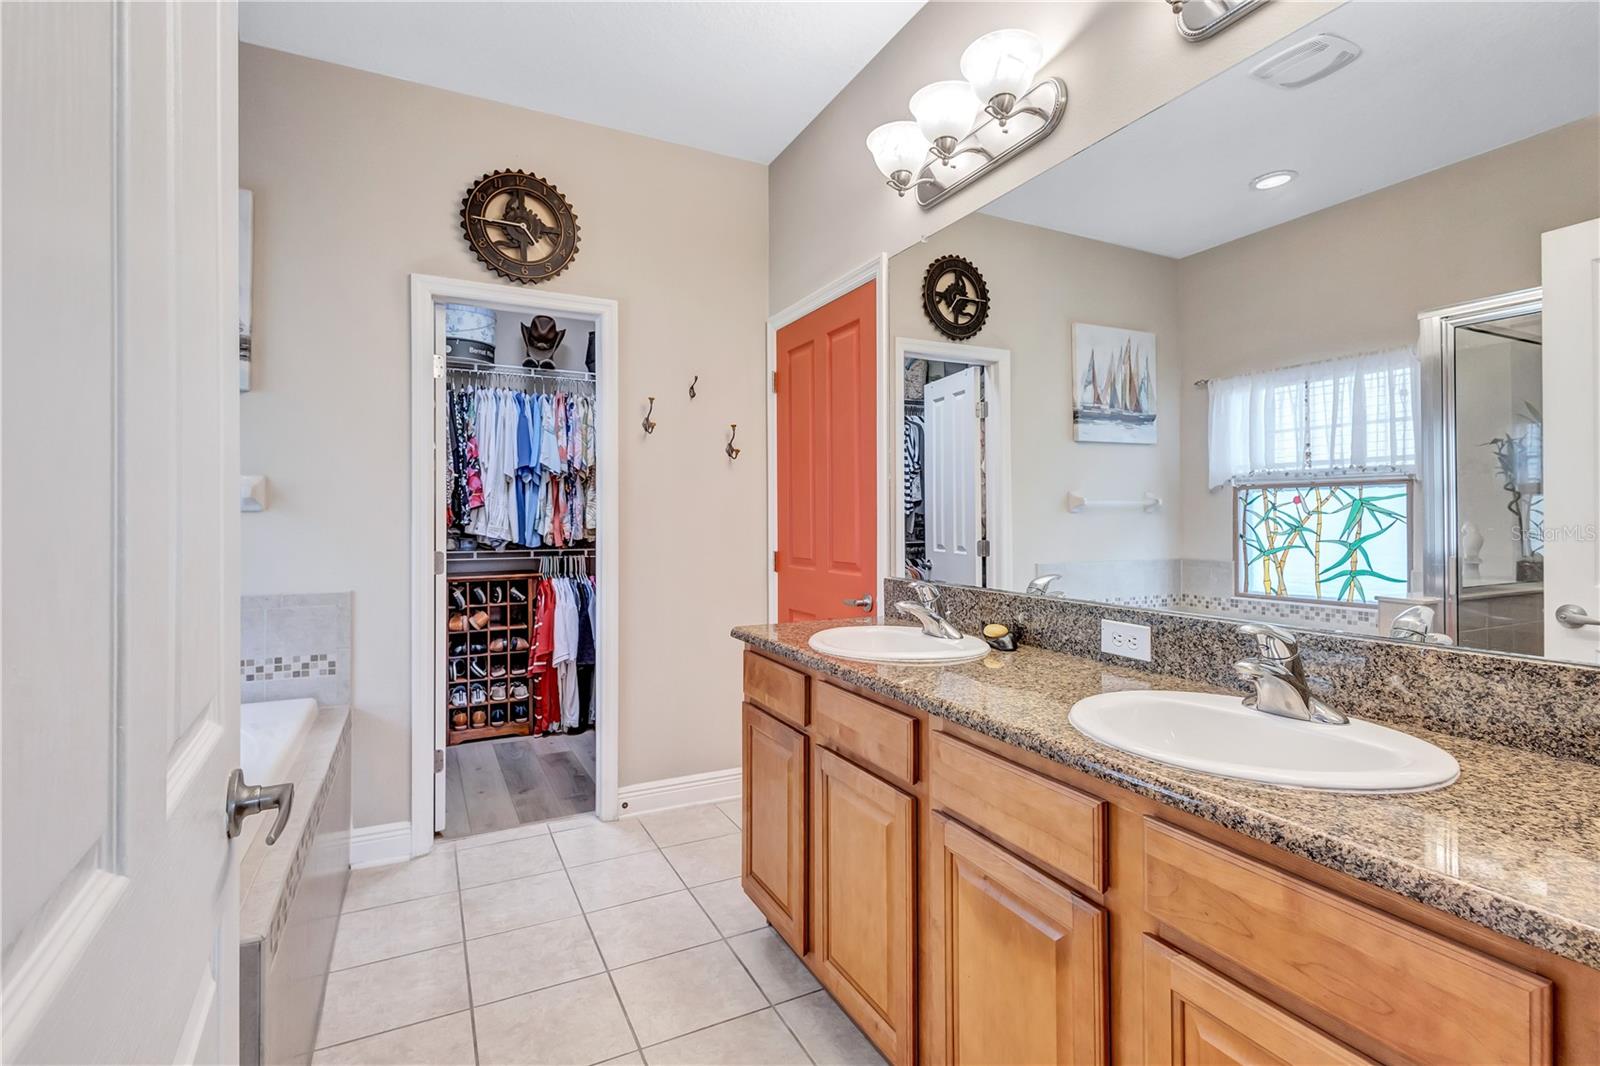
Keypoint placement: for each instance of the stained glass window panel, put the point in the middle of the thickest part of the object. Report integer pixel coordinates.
(1345, 542)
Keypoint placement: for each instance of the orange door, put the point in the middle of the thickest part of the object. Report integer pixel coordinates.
(827, 459)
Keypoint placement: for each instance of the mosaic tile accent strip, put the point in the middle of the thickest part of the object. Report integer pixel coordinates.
(279, 667)
(1552, 708)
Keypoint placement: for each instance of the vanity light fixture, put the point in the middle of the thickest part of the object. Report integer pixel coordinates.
(1273, 179)
(964, 128)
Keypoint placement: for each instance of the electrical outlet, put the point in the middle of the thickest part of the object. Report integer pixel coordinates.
(1125, 639)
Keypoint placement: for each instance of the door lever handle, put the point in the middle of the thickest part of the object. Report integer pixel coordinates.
(865, 602)
(1574, 617)
(245, 800)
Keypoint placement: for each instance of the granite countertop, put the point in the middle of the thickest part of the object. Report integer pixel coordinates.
(1513, 845)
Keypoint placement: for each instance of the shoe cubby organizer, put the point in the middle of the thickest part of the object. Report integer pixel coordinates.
(489, 643)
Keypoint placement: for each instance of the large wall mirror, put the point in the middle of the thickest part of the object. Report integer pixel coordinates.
(1314, 343)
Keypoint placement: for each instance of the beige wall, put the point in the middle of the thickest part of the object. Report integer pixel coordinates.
(830, 209)
(1354, 278)
(1041, 282)
(358, 180)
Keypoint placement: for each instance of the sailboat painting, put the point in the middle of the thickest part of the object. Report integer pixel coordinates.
(1114, 375)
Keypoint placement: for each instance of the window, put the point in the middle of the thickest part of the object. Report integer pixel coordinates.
(1344, 541)
(1320, 459)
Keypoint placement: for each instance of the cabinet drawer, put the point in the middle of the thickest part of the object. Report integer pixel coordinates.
(775, 688)
(1060, 827)
(1426, 997)
(885, 740)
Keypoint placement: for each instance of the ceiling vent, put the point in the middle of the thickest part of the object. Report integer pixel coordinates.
(1310, 60)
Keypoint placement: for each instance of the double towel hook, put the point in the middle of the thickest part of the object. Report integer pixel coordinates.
(692, 384)
(649, 423)
(733, 431)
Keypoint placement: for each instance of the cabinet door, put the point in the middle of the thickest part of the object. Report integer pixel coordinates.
(774, 866)
(1195, 1015)
(863, 908)
(1019, 963)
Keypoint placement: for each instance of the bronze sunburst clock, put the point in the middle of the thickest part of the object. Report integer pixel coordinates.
(520, 226)
(955, 297)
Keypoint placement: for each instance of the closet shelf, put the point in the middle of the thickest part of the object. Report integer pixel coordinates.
(472, 555)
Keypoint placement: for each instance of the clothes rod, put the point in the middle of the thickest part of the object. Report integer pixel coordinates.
(1147, 503)
(521, 371)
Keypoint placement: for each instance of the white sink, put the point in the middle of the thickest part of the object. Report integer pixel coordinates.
(1220, 735)
(896, 644)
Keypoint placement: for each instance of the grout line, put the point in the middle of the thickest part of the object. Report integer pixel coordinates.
(396, 903)
(466, 962)
(772, 1004)
(396, 1029)
(616, 993)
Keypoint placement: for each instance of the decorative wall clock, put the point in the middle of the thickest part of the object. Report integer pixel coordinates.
(955, 297)
(520, 226)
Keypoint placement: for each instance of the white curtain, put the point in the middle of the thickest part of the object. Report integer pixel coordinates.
(1342, 416)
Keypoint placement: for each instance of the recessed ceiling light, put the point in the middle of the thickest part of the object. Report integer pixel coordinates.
(1273, 179)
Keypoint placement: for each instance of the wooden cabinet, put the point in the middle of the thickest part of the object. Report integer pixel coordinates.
(863, 899)
(967, 902)
(1195, 1017)
(774, 861)
(1018, 960)
(1426, 997)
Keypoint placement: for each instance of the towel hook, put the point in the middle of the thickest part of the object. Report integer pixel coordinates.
(649, 423)
(692, 384)
(733, 431)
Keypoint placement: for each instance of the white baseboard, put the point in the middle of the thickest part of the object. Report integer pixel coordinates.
(378, 845)
(715, 786)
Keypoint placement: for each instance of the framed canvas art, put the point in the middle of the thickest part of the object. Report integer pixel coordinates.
(1114, 385)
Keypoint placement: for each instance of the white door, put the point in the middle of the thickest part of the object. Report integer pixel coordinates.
(1570, 272)
(435, 618)
(119, 630)
(952, 491)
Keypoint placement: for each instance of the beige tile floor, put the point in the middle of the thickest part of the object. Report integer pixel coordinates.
(575, 942)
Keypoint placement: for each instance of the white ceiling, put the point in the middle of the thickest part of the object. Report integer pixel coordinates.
(740, 79)
(1436, 83)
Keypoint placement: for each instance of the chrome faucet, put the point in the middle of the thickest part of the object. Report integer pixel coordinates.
(1040, 586)
(926, 611)
(1279, 677)
(1415, 624)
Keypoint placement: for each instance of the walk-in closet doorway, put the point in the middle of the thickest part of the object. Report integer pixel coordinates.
(430, 581)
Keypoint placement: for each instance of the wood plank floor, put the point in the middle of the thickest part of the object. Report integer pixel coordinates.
(498, 784)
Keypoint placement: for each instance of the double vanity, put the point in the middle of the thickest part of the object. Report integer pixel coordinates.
(1036, 856)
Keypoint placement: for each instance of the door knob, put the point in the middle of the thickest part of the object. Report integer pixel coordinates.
(1574, 617)
(245, 800)
(865, 602)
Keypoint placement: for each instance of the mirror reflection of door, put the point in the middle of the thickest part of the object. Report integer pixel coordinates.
(1499, 447)
(952, 458)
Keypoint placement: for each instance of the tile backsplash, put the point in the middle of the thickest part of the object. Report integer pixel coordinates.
(295, 645)
(1534, 704)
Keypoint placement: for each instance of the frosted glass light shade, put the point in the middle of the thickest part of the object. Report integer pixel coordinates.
(945, 109)
(1002, 62)
(897, 146)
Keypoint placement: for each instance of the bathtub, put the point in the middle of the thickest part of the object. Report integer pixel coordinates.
(271, 735)
(291, 892)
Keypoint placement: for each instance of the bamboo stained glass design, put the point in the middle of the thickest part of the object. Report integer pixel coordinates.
(1343, 542)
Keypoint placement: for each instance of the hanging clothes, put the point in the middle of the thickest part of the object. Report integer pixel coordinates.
(520, 465)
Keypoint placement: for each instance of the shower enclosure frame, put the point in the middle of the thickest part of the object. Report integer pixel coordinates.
(1441, 573)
